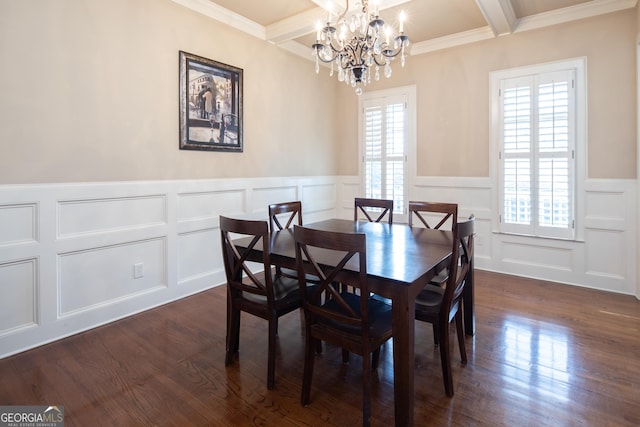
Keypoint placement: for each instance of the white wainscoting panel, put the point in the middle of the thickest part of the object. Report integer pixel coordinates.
(76, 256)
(77, 217)
(262, 196)
(23, 221)
(200, 210)
(196, 207)
(526, 253)
(199, 255)
(99, 276)
(19, 288)
(600, 260)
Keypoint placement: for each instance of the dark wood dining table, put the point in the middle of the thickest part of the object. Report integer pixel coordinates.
(400, 261)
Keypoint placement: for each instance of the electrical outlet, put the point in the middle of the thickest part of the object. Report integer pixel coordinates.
(138, 270)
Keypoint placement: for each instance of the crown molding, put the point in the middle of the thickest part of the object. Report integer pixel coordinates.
(225, 16)
(453, 40)
(572, 13)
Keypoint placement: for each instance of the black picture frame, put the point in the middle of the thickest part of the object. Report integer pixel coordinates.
(210, 105)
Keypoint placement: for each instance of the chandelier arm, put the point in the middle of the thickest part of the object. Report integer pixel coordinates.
(333, 48)
(391, 53)
(375, 59)
(326, 61)
(341, 17)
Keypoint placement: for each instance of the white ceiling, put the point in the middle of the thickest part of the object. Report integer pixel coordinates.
(430, 25)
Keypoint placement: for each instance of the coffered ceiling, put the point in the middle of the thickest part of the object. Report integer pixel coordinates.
(431, 24)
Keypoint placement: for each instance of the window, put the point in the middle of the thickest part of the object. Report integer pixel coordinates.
(385, 119)
(538, 117)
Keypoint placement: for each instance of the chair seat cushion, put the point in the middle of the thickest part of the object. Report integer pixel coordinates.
(287, 272)
(379, 315)
(283, 288)
(429, 299)
(441, 278)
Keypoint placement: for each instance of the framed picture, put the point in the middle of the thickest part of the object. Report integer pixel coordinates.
(210, 105)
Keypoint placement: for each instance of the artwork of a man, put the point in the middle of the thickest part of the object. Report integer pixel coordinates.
(208, 103)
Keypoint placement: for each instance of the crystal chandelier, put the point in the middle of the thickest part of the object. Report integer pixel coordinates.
(358, 43)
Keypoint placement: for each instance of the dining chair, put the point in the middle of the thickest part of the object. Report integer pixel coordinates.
(440, 306)
(434, 215)
(283, 216)
(357, 324)
(366, 206)
(265, 297)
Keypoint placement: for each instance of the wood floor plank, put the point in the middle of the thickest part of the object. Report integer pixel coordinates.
(544, 354)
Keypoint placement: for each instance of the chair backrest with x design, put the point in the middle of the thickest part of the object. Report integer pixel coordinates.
(277, 218)
(343, 248)
(235, 259)
(461, 257)
(433, 214)
(381, 206)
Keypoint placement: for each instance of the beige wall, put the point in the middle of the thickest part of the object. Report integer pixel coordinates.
(453, 96)
(90, 93)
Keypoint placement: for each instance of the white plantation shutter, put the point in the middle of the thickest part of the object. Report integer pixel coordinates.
(537, 140)
(384, 156)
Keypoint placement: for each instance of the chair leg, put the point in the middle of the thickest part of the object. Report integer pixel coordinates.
(271, 357)
(366, 388)
(345, 356)
(233, 335)
(445, 358)
(460, 331)
(309, 358)
(435, 334)
(375, 358)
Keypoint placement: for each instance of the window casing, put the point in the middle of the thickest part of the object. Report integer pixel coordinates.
(538, 136)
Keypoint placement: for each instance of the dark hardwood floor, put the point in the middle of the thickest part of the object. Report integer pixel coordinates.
(544, 355)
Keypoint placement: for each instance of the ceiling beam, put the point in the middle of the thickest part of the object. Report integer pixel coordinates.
(295, 26)
(499, 15)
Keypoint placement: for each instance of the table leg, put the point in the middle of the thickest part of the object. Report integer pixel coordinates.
(403, 359)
